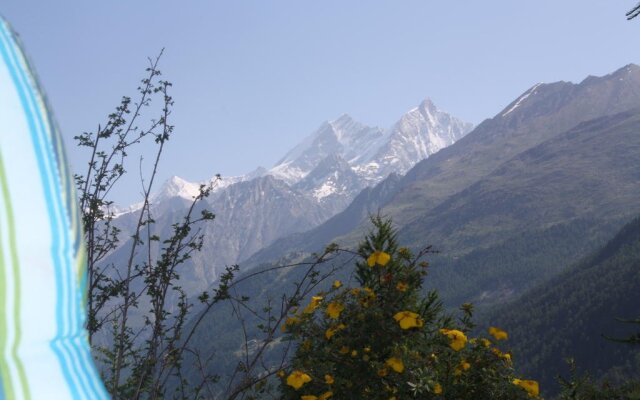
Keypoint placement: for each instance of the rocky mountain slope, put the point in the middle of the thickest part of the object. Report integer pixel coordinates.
(559, 155)
(511, 205)
(315, 180)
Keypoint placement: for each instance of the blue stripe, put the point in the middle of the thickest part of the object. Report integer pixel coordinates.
(82, 347)
(64, 253)
(69, 194)
(74, 298)
(14, 70)
(75, 227)
(43, 157)
(71, 248)
(71, 200)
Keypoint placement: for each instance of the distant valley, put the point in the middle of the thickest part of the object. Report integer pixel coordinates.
(517, 203)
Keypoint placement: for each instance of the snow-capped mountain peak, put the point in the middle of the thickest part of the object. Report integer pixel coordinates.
(371, 152)
(343, 156)
(419, 133)
(176, 187)
(343, 136)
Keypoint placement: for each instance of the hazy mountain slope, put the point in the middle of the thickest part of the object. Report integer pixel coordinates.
(591, 170)
(367, 202)
(513, 203)
(568, 315)
(541, 113)
(524, 222)
(248, 216)
(314, 181)
(251, 215)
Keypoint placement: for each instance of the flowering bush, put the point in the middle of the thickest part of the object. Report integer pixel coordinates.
(384, 340)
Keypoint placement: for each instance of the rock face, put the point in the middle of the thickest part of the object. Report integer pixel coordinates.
(252, 214)
(342, 137)
(420, 133)
(315, 180)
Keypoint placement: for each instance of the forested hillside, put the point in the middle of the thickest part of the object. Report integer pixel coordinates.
(570, 316)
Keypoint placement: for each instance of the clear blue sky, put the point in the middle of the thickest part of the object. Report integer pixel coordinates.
(253, 77)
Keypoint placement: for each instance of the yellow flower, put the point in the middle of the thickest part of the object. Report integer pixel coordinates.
(308, 397)
(498, 333)
(355, 291)
(329, 379)
(530, 386)
(437, 389)
(382, 372)
(343, 350)
(395, 364)
(334, 310)
(337, 284)
(378, 257)
(280, 373)
(289, 322)
(325, 395)
(298, 378)
(402, 286)
(408, 320)
(329, 333)
(354, 353)
(315, 302)
(369, 296)
(464, 365)
(504, 356)
(458, 339)
(333, 330)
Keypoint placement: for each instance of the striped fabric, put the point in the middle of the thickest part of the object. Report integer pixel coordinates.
(44, 351)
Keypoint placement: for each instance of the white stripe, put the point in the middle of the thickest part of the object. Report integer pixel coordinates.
(66, 253)
(9, 297)
(8, 111)
(26, 294)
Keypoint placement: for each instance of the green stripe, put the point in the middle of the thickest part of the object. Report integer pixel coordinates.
(13, 249)
(81, 277)
(4, 368)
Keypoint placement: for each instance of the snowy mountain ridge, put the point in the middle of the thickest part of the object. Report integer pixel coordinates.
(373, 153)
(343, 156)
